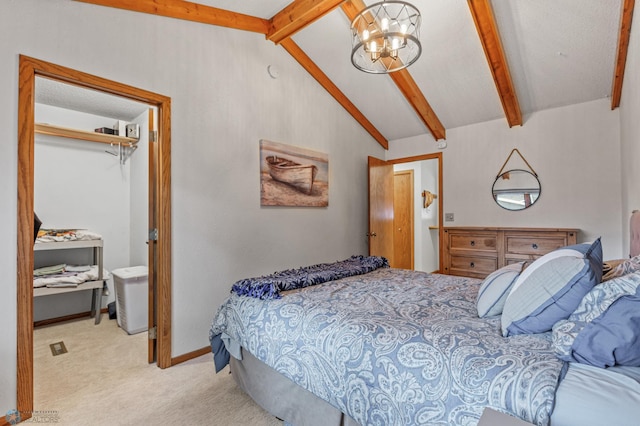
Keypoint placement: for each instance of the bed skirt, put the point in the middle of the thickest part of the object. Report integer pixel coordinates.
(283, 398)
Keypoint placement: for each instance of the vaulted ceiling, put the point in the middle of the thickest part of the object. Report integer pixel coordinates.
(481, 59)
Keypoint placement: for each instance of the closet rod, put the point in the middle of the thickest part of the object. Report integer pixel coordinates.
(49, 129)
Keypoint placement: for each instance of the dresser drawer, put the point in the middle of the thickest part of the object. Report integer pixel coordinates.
(520, 258)
(536, 246)
(473, 266)
(477, 242)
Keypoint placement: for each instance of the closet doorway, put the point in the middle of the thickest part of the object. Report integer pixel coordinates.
(407, 231)
(159, 253)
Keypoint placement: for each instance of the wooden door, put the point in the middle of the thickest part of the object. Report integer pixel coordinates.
(403, 219)
(152, 224)
(381, 209)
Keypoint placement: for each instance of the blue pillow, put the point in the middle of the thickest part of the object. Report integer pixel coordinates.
(605, 328)
(611, 339)
(551, 288)
(495, 289)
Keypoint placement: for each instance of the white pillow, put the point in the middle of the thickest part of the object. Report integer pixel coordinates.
(495, 289)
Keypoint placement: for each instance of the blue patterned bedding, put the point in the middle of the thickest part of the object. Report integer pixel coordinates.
(270, 286)
(397, 347)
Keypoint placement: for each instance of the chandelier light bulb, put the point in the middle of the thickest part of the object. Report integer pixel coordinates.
(384, 24)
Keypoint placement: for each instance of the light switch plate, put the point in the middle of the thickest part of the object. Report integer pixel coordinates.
(448, 217)
(133, 131)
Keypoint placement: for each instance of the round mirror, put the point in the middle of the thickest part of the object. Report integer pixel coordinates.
(516, 189)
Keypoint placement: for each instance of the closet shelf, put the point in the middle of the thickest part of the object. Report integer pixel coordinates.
(95, 286)
(73, 244)
(50, 129)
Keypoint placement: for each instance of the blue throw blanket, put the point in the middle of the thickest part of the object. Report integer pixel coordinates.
(270, 286)
(396, 347)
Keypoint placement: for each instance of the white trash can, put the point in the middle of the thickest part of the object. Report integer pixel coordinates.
(132, 298)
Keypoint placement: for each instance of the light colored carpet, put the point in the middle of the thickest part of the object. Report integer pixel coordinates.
(104, 379)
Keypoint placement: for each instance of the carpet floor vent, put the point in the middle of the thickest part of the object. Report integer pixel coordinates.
(58, 348)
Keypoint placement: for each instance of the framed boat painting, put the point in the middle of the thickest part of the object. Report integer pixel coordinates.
(293, 176)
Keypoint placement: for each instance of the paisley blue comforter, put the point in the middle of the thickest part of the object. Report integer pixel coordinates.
(397, 347)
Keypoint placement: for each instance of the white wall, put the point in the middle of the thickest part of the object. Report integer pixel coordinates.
(630, 131)
(575, 151)
(429, 218)
(223, 103)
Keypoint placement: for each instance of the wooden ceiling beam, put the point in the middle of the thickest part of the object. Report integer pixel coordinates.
(405, 83)
(626, 17)
(306, 62)
(482, 14)
(189, 11)
(298, 15)
(412, 93)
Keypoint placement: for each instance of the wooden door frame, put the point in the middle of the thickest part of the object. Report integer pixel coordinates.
(152, 252)
(29, 69)
(432, 156)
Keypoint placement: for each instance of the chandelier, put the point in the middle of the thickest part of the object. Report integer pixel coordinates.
(385, 37)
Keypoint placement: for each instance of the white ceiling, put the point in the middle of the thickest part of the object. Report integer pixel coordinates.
(62, 95)
(264, 9)
(559, 52)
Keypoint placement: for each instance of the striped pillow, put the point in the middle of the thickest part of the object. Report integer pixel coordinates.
(495, 289)
(551, 288)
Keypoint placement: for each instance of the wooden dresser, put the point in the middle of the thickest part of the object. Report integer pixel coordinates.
(478, 251)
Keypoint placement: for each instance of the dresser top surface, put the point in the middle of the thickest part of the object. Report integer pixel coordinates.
(498, 228)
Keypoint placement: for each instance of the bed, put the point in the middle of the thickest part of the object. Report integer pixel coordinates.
(388, 346)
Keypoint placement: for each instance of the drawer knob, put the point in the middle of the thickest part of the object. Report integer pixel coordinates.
(535, 246)
(473, 243)
(473, 265)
